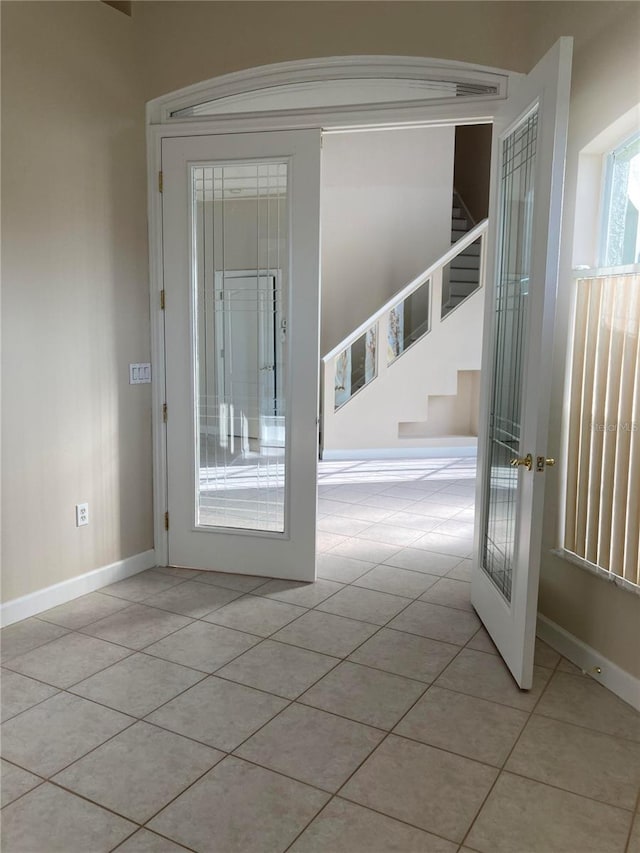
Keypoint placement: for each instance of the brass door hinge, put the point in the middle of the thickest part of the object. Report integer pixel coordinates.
(160, 182)
(166, 521)
(162, 300)
(164, 412)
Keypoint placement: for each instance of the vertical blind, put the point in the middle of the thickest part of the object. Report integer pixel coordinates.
(603, 472)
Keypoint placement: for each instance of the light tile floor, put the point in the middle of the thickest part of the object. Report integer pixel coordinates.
(366, 713)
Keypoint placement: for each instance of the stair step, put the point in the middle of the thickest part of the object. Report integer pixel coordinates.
(462, 275)
(457, 234)
(456, 211)
(458, 222)
(463, 261)
(461, 290)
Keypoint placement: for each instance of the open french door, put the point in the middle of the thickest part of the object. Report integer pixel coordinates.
(528, 155)
(241, 230)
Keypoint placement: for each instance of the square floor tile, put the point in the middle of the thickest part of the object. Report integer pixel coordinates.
(487, 677)
(387, 502)
(437, 622)
(634, 839)
(142, 585)
(241, 583)
(417, 560)
(255, 810)
(139, 771)
(545, 655)
(68, 659)
(202, 646)
(177, 572)
(390, 534)
(579, 760)
(311, 746)
(433, 507)
(341, 569)
(217, 712)
(580, 700)
(365, 549)
(19, 693)
(326, 633)
(302, 594)
(144, 841)
(442, 544)
(342, 525)
(14, 782)
(23, 636)
(255, 615)
(193, 599)
(372, 514)
(137, 626)
(326, 541)
(450, 593)
(475, 728)
(396, 581)
(523, 815)
(60, 730)
(405, 654)
(278, 668)
(367, 695)
(482, 642)
(343, 827)
(53, 820)
(426, 787)
(414, 521)
(461, 572)
(84, 610)
(364, 604)
(457, 527)
(137, 685)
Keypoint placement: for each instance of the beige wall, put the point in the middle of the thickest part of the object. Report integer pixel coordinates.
(75, 294)
(605, 85)
(74, 232)
(386, 216)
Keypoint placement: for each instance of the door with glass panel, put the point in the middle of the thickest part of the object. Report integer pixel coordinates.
(523, 243)
(241, 267)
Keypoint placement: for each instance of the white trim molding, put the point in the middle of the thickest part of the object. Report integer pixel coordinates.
(591, 662)
(60, 593)
(469, 448)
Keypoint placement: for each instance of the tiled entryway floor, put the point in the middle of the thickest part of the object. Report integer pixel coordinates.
(366, 712)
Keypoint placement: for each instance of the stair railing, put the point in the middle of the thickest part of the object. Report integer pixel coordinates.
(401, 322)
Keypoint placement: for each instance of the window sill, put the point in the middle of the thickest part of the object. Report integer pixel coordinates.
(606, 575)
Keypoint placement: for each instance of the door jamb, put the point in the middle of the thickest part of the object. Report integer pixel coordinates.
(387, 116)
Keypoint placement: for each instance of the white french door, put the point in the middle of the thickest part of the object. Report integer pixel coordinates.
(522, 250)
(241, 227)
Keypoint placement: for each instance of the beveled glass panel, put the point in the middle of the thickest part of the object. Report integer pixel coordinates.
(240, 243)
(510, 329)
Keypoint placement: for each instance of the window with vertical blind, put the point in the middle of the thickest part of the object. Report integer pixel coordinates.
(602, 521)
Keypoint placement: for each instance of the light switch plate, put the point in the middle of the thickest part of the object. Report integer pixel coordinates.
(139, 374)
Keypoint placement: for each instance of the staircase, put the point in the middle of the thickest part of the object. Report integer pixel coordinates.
(407, 377)
(461, 277)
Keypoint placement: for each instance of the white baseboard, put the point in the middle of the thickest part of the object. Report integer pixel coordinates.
(399, 453)
(60, 593)
(622, 683)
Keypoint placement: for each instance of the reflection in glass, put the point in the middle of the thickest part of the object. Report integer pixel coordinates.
(355, 366)
(240, 245)
(461, 277)
(511, 323)
(408, 321)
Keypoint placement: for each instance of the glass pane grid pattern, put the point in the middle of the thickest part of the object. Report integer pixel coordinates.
(240, 230)
(511, 307)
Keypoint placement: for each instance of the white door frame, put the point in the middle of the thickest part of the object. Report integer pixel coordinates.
(160, 125)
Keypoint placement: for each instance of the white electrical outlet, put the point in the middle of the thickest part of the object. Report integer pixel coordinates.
(82, 515)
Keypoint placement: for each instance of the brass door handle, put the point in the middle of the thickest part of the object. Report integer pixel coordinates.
(527, 462)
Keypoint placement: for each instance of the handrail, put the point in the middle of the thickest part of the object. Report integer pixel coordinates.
(447, 257)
